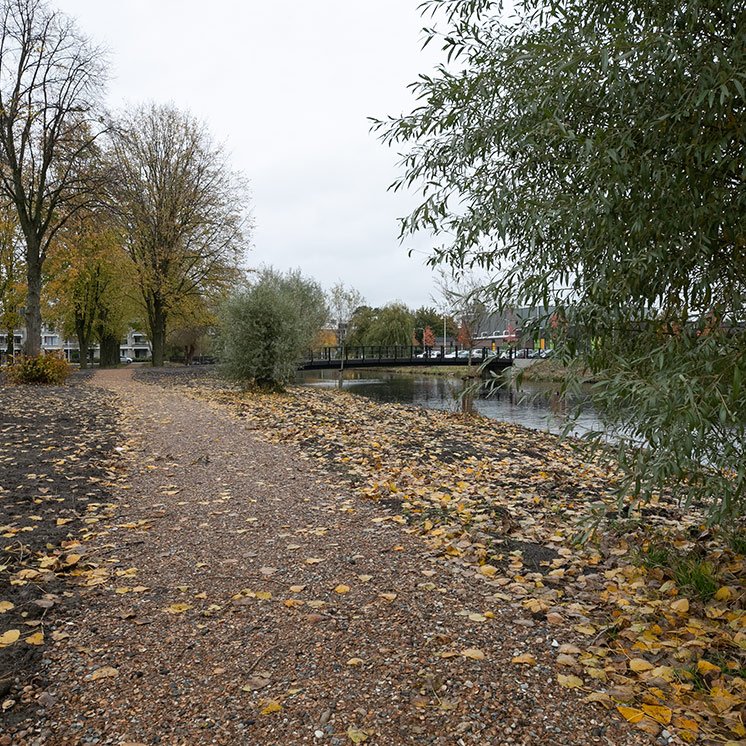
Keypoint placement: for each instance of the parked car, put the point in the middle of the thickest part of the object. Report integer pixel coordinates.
(124, 360)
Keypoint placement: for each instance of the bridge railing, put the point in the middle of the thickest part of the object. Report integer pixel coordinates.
(400, 353)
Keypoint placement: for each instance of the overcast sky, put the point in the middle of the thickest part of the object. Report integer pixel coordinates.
(287, 86)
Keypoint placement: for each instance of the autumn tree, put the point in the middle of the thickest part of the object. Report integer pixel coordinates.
(428, 337)
(191, 324)
(589, 154)
(51, 79)
(182, 211)
(89, 292)
(269, 325)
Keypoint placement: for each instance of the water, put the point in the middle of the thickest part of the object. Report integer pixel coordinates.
(536, 406)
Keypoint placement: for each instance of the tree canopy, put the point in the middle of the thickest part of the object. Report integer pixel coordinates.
(589, 155)
(181, 208)
(51, 82)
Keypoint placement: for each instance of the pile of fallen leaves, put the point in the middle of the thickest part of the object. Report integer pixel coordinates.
(654, 602)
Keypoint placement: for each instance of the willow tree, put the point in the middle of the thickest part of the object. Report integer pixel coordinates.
(590, 155)
(181, 208)
(50, 85)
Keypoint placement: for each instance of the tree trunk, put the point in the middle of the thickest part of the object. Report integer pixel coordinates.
(33, 308)
(11, 348)
(157, 318)
(109, 354)
(84, 342)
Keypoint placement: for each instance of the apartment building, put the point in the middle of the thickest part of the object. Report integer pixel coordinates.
(134, 346)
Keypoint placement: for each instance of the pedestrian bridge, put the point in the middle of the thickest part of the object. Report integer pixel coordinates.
(336, 358)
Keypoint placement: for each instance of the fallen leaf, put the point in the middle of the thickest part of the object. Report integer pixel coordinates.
(36, 639)
(681, 605)
(388, 596)
(9, 637)
(177, 608)
(342, 589)
(638, 665)
(661, 715)
(569, 682)
(5, 606)
(269, 707)
(354, 661)
(356, 736)
(526, 659)
(489, 571)
(105, 672)
(256, 683)
(473, 653)
(630, 714)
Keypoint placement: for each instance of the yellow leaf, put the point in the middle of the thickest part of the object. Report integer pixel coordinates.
(489, 571)
(105, 672)
(365, 578)
(706, 667)
(477, 617)
(473, 653)
(354, 661)
(585, 629)
(200, 595)
(177, 608)
(388, 596)
(263, 595)
(293, 603)
(680, 605)
(270, 707)
(5, 606)
(638, 665)
(569, 682)
(297, 588)
(63, 521)
(9, 637)
(600, 697)
(36, 639)
(356, 736)
(661, 715)
(526, 658)
(630, 714)
(342, 589)
(724, 593)
(313, 561)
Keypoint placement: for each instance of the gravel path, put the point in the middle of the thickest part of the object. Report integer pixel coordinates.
(240, 598)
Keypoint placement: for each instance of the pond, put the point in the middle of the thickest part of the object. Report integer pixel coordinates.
(536, 406)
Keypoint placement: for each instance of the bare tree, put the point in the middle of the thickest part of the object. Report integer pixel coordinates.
(182, 209)
(342, 302)
(51, 79)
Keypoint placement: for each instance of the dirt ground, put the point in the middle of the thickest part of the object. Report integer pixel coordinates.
(209, 587)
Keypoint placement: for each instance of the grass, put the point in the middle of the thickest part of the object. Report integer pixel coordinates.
(694, 576)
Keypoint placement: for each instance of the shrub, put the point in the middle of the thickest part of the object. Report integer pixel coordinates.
(43, 369)
(268, 326)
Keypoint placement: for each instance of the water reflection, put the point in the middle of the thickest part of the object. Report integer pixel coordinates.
(537, 406)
